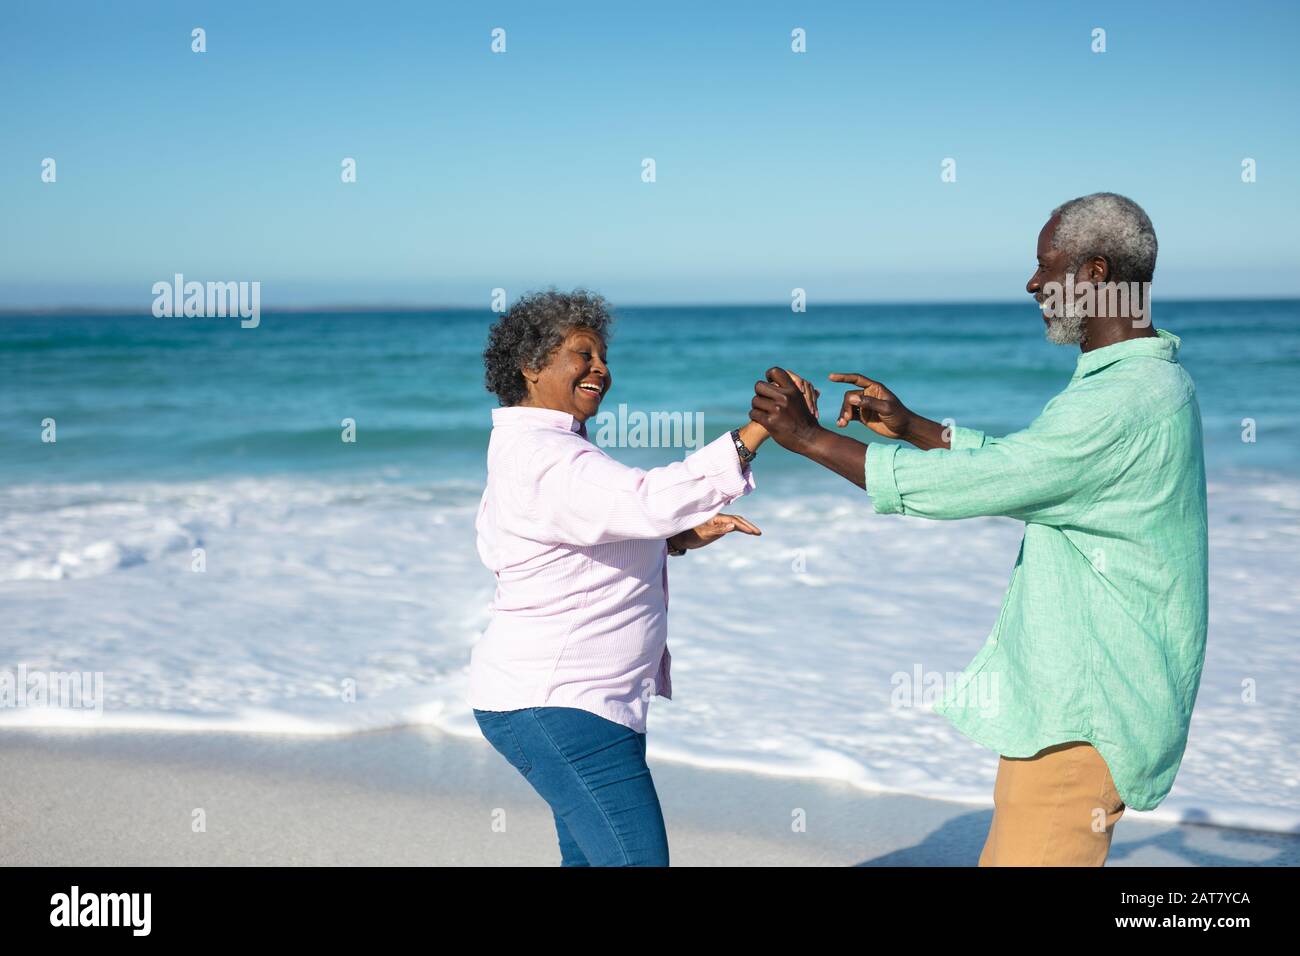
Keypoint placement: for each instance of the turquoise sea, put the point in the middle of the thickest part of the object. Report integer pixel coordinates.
(139, 397)
(199, 534)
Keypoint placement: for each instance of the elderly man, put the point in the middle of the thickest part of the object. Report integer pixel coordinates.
(1098, 649)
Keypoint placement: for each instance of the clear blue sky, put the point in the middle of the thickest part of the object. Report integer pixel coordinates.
(775, 169)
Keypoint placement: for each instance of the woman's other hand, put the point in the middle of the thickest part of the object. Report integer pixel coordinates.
(711, 531)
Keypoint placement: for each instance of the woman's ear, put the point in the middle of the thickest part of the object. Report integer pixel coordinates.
(531, 375)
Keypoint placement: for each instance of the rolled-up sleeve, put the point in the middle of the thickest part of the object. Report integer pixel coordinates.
(1046, 473)
(579, 495)
(964, 438)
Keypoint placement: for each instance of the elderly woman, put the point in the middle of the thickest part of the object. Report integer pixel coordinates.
(562, 679)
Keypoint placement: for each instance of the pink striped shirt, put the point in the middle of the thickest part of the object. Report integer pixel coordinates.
(577, 542)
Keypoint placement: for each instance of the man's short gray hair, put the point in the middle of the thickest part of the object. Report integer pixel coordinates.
(1108, 225)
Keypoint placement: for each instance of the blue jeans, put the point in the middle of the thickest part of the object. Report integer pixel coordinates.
(593, 774)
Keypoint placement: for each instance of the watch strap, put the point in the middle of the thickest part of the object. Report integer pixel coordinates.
(742, 450)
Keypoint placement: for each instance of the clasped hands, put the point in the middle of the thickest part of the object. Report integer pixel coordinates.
(786, 406)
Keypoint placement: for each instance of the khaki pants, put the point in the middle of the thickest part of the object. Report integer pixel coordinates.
(1056, 808)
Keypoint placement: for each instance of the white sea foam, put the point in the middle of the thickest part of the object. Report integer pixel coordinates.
(333, 609)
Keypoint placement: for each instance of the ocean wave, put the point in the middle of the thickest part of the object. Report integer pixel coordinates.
(72, 531)
(340, 608)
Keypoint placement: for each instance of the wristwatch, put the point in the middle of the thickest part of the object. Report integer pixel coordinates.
(746, 456)
(675, 552)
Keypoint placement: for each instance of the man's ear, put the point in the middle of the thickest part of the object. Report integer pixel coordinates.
(531, 375)
(1096, 269)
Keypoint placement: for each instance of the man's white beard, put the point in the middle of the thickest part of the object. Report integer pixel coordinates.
(1068, 329)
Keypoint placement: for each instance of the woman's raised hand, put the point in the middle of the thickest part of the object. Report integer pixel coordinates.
(754, 433)
(810, 394)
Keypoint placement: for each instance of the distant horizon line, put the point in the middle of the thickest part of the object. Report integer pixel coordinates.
(8, 311)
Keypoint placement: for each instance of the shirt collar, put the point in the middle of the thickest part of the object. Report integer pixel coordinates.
(1162, 345)
(527, 416)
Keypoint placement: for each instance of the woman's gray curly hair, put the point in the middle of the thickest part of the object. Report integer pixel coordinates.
(529, 333)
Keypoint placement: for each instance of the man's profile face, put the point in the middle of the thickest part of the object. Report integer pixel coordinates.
(1064, 325)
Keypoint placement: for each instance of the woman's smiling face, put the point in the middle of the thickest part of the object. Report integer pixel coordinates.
(575, 378)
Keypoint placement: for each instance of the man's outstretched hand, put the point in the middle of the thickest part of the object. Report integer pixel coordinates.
(785, 405)
(880, 410)
(872, 404)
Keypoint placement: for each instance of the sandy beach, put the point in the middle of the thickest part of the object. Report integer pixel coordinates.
(417, 796)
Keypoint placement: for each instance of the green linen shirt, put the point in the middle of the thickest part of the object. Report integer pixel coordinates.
(1101, 636)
